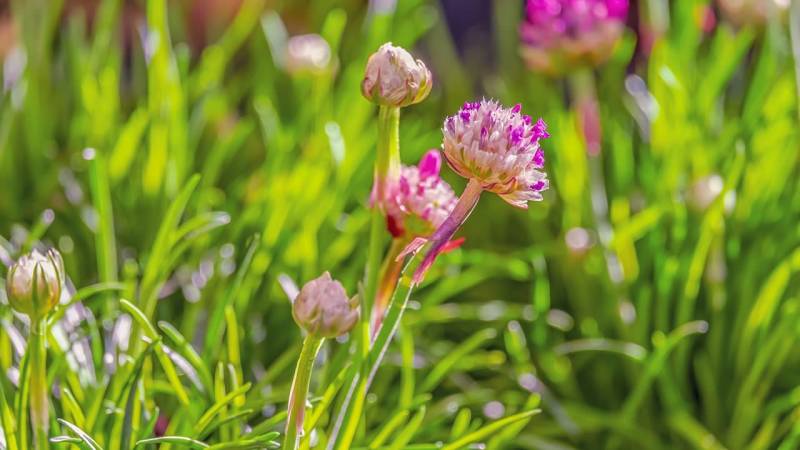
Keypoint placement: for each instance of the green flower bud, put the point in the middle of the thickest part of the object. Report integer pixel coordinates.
(323, 309)
(34, 282)
(394, 78)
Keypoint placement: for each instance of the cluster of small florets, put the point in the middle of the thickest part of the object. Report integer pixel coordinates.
(560, 34)
(420, 200)
(499, 147)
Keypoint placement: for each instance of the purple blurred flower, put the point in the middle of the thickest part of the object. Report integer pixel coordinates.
(560, 34)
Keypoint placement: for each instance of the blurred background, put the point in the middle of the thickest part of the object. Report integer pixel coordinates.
(651, 299)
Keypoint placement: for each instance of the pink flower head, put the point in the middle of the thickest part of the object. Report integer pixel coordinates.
(559, 34)
(419, 201)
(499, 148)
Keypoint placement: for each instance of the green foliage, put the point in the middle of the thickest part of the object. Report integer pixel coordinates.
(181, 181)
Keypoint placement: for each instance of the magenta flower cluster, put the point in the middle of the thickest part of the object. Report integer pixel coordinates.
(558, 34)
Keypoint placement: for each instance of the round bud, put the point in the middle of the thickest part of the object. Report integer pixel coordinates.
(34, 282)
(308, 53)
(394, 78)
(322, 308)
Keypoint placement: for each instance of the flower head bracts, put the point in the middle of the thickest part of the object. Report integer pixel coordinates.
(559, 34)
(419, 201)
(498, 147)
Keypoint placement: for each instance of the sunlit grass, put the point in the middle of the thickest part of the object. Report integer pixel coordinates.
(181, 183)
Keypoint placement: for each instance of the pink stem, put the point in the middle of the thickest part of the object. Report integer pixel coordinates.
(466, 203)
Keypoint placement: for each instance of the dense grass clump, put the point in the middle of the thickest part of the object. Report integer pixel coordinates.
(195, 164)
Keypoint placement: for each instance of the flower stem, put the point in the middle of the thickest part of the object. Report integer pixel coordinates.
(584, 94)
(466, 203)
(299, 392)
(387, 167)
(390, 272)
(387, 158)
(40, 409)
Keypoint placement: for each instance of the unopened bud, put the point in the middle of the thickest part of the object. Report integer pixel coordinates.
(322, 308)
(34, 282)
(308, 53)
(394, 78)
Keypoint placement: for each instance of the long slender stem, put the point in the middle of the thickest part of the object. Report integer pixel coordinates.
(40, 412)
(387, 158)
(389, 273)
(387, 168)
(299, 392)
(466, 203)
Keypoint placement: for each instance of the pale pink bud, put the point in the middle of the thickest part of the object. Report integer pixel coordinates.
(323, 309)
(34, 282)
(394, 78)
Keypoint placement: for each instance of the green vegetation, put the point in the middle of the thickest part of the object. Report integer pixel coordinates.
(650, 301)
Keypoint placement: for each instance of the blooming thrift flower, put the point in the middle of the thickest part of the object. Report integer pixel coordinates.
(34, 283)
(498, 150)
(322, 308)
(308, 53)
(419, 201)
(394, 78)
(560, 34)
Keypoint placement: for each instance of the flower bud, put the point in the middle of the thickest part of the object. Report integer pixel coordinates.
(33, 284)
(394, 78)
(322, 308)
(308, 53)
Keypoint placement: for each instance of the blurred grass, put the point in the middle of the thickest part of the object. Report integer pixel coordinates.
(671, 322)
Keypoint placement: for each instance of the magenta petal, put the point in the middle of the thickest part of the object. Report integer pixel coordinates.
(430, 164)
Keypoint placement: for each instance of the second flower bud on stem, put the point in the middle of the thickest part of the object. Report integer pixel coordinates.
(323, 310)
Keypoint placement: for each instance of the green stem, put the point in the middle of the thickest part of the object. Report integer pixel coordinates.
(387, 159)
(38, 384)
(299, 392)
(387, 168)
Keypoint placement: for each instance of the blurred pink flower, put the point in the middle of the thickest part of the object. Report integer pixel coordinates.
(419, 201)
(558, 35)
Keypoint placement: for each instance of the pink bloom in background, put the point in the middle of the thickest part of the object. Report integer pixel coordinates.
(558, 35)
(499, 148)
(419, 201)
